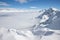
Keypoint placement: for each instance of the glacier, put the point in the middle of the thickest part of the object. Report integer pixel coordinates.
(41, 25)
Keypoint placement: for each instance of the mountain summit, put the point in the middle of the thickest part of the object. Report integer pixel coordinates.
(55, 9)
(48, 17)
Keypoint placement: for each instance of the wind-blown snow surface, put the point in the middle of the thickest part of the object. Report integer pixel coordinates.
(41, 25)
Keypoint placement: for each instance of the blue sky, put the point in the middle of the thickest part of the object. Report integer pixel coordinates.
(27, 4)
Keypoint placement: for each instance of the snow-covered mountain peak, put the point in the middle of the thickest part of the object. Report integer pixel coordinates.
(53, 9)
(47, 17)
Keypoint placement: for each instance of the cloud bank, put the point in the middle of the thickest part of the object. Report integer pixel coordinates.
(4, 4)
(18, 10)
(23, 1)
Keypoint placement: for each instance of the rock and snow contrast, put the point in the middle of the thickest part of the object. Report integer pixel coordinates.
(41, 25)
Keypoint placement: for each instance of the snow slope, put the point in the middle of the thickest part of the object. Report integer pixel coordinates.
(43, 25)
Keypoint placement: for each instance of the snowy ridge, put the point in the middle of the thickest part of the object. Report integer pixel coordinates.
(39, 31)
(46, 17)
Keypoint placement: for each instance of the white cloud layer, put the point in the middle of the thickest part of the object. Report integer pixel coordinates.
(22, 1)
(18, 10)
(4, 4)
(33, 7)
